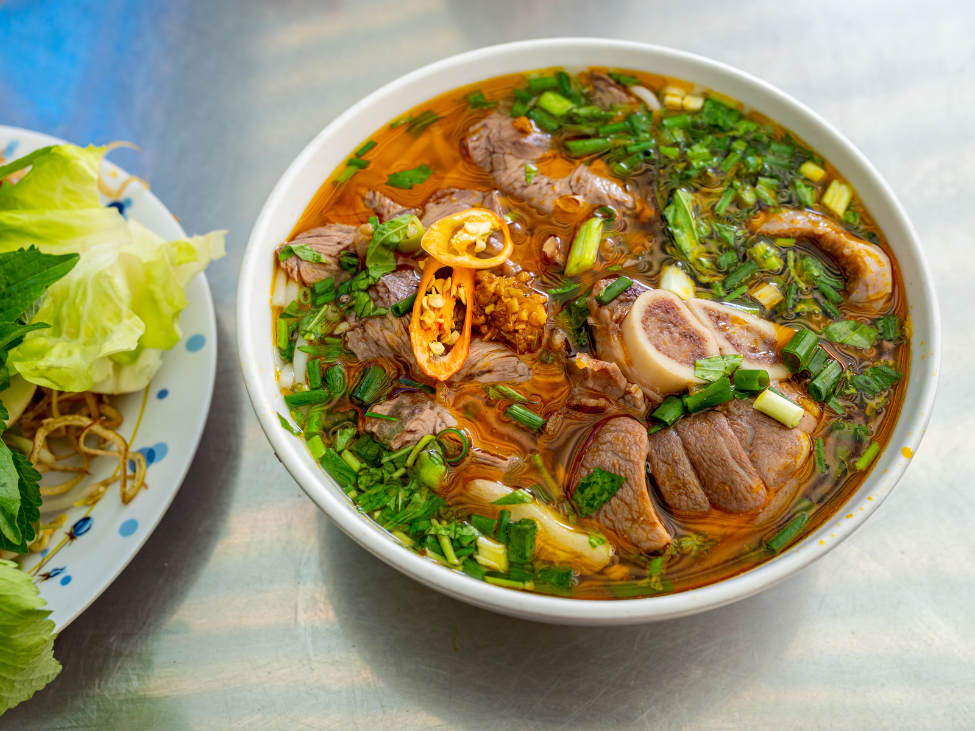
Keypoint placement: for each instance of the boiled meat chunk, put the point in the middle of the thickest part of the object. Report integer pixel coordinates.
(664, 340)
(865, 265)
(738, 332)
(416, 415)
(675, 476)
(620, 446)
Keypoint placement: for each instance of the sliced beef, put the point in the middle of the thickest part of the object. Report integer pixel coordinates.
(606, 321)
(776, 451)
(620, 446)
(417, 415)
(499, 147)
(450, 201)
(597, 384)
(491, 362)
(330, 241)
(607, 93)
(384, 207)
(721, 463)
(395, 287)
(381, 337)
(865, 265)
(675, 476)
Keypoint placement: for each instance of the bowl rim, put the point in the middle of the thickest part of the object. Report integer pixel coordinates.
(326, 494)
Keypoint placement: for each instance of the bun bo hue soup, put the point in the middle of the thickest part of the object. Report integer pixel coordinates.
(599, 335)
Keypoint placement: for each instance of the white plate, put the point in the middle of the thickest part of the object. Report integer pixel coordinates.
(97, 543)
(323, 154)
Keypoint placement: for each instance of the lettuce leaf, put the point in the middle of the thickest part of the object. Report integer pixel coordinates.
(120, 302)
(27, 661)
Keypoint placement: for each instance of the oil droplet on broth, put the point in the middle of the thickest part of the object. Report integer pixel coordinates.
(906, 451)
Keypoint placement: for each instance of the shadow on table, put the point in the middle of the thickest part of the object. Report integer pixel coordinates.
(460, 663)
(105, 652)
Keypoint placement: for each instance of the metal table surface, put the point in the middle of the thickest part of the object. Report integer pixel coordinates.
(248, 609)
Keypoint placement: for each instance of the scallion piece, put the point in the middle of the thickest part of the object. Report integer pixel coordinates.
(554, 103)
(519, 109)
(307, 398)
(365, 148)
(717, 393)
(409, 383)
(371, 384)
(679, 121)
(612, 129)
(504, 517)
(508, 583)
(591, 146)
(335, 380)
(726, 260)
(465, 445)
(783, 410)
(613, 290)
(521, 541)
(747, 379)
(474, 569)
(640, 147)
(547, 478)
(822, 386)
(316, 446)
(526, 418)
(799, 350)
(784, 536)
(336, 467)
(314, 424)
(384, 417)
(485, 525)
(351, 460)
(585, 246)
(403, 306)
(424, 441)
(541, 83)
(816, 362)
(867, 457)
(545, 121)
(669, 411)
(740, 275)
(314, 371)
(820, 451)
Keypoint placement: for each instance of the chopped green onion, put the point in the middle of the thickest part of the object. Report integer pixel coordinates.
(836, 405)
(316, 446)
(403, 306)
(821, 387)
(346, 175)
(726, 260)
(712, 368)
(519, 109)
(740, 275)
(831, 310)
(784, 536)
(613, 290)
(799, 350)
(521, 541)
(284, 422)
(563, 288)
(496, 393)
(508, 583)
(504, 517)
(365, 148)
(591, 146)
(790, 298)
(747, 379)
(351, 460)
(716, 393)
(336, 467)
(828, 292)
(473, 568)
(612, 129)
(872, 451)
(820, 357)
(485, 525)
(314, 371)
(465, 445)
(357, 163)
(725, 200)
(541, 83)
(783, 410)
(526, 418)
(477, 100)
(448, 550)
(547, 478)
(418, 386)
(384, 417)
(424, 441)
(585, 246)
(307, 398)
(669, 411)
(315, 423)
(821, 456)
(554, 103)
(543, 119)
(371, 384)
(677, 122)
(335, 380)
(640, 146)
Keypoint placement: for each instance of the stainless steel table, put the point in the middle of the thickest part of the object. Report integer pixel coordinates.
(248, 609)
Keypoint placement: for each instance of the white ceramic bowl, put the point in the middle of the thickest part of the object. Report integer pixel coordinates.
(313, 166)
